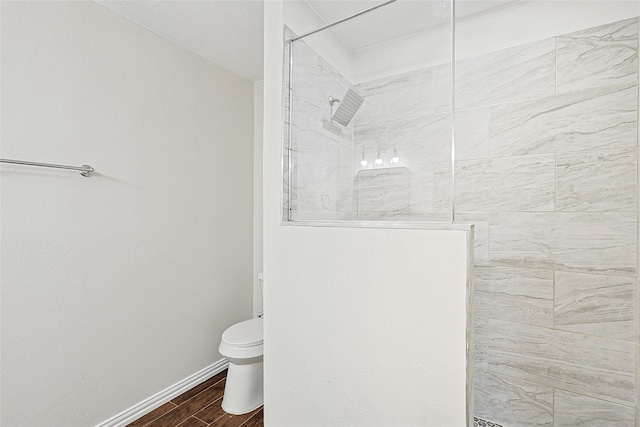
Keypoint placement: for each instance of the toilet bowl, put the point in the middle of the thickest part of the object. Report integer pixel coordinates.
(242, 346)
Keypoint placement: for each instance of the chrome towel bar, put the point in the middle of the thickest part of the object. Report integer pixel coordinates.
(85, 170)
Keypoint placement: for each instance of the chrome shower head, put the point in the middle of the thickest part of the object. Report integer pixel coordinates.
(348, 107)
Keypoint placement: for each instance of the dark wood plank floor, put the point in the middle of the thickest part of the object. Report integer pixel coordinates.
(199, 407)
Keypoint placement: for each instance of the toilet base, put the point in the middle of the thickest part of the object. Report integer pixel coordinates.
(243, 391)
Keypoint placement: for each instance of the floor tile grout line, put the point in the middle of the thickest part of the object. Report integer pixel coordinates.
(248, 419)
(214, 421)
(161, 415)
(198, 394)
(181, 420)
(203, 390)
(218, 419)
(200, 419)
(186, 401)
(184, 421)
(203, 422)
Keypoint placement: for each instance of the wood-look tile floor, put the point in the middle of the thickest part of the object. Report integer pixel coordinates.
(199, 407)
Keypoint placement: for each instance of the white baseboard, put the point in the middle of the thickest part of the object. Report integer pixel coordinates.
(136, 411)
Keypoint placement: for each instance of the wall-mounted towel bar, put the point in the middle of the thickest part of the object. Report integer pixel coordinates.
(85, 170)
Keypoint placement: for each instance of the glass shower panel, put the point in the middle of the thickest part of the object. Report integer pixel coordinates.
(369, 124)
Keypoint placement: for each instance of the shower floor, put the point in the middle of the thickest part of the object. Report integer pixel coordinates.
(479, 422)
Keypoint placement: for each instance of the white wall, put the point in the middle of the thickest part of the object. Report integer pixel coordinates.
(116, 286)
(346, 307)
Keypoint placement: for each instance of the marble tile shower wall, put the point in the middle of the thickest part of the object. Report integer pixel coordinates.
(556, 198)
(547, 155)
(322, 174)
(403, 114)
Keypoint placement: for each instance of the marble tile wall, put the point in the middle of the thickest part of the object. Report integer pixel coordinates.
(592, 366)
(637, 370)
(575, 410)
(602, 56)
(322, 174)
(547, 170)
(514, 294)
(512, 74)
(398, 97)
(552, 185)
(401, 115)
(517, 403)
(599, 180)
(598, 242)
(589, 119)
(385, 189)
(595, 304)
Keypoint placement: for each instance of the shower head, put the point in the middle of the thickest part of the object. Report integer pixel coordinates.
(348, 107)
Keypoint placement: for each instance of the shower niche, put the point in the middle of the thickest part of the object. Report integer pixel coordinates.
(368, 132)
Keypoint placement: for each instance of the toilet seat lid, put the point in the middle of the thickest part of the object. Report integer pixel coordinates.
(244, 334)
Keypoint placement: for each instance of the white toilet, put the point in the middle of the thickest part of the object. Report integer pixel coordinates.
(241, 345)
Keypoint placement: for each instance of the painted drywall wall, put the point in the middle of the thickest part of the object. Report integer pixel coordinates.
(351, 312)
(116, 286)
(366, 327)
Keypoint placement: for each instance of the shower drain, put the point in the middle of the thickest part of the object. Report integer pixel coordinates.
(479, 422)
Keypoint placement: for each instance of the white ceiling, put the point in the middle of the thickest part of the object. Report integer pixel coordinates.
(229, 33)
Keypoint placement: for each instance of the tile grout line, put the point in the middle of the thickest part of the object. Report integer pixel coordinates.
(187, 419)
(248, 419)
(551, 328)
(202, 391)
(601, 399)
(146, 424)
(185, 402)
(199, 419)
(220, 417)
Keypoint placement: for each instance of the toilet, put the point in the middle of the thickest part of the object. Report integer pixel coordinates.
(242, 346)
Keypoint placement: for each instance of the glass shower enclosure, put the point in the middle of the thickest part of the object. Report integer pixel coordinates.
(368, 106)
